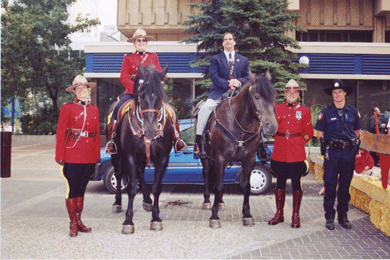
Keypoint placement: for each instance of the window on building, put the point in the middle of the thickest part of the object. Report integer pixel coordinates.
(335, 36)
(387, 36)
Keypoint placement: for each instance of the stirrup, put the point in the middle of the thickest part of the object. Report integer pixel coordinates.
(109, 151)
(180, 146)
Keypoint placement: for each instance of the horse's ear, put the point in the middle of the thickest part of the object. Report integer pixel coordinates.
(164, 71)
(252, 77)
(268, 75)
(140, 70)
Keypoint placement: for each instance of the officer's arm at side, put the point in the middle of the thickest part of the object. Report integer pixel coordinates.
(320, 134)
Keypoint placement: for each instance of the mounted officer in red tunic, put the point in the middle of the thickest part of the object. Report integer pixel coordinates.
(129, 72)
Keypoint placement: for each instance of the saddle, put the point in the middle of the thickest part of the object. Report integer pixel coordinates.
(122, 110)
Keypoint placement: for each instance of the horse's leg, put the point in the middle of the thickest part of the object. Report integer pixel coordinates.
(147, 201)
(207, 183)
(128, 225)
(247, 219)
(219, 172)
(156, 223)
(116, 162)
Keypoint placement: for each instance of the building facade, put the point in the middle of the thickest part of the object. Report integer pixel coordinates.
(345, 39)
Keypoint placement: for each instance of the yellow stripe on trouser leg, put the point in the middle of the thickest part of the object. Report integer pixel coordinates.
(67, 183)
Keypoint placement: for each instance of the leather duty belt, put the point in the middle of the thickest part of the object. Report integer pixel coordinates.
(288, 134)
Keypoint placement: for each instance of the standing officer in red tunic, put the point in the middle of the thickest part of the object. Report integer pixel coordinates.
(78, 148)
(288, 157)
(129, 72)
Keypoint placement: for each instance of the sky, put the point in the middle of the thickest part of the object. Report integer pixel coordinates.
(105, 10)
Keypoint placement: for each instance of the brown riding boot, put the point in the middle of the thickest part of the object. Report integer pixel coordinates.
(111, 146)
(297, 198)
(280, 196)
(80, 225)
(197, 145)
(71, 205)
(180, 145)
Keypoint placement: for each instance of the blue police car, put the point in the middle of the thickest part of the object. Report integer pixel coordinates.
(183, 168)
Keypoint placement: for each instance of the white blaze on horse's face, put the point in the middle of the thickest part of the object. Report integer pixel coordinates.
(150, 106)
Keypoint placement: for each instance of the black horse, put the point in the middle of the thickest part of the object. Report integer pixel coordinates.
(233, 134)
(144, 135)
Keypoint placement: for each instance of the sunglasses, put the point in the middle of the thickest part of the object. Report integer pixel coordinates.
(141, 40)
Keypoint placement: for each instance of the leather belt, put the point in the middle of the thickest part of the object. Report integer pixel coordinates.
(288, 134)
(75, 133)
(340, 144)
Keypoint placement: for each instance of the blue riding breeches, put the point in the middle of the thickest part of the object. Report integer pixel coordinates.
(122, 99)
(77, 176)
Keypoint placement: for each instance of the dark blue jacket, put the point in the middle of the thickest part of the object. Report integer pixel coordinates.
(220, 73)
(330, 121)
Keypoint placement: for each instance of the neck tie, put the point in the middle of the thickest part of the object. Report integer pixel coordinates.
(231, 65)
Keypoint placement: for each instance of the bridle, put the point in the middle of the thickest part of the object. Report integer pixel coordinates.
(258, 113)
(136, 121)
(240, 143)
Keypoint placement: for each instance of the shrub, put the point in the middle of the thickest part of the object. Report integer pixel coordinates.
(43, 123)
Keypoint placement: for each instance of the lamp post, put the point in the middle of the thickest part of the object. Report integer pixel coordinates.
(13, 112)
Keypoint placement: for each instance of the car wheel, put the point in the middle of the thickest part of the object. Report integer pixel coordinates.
(260, 180)
(110, 181)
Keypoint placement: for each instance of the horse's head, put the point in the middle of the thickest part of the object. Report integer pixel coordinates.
(149, 95)
(263, 94)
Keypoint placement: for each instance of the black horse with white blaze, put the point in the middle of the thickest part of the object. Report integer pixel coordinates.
(144, 136)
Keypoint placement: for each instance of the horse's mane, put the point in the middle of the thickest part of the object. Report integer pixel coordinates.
(152, 82)
(266, 89)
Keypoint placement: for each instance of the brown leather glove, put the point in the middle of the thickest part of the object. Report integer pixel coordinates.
(60, 162)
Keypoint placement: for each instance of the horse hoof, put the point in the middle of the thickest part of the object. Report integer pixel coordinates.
(221, 206)
(206, 205)
(116, 208)
(215, 223)
(128, 229)
(148, 207)
(248, 222)
(155, 225)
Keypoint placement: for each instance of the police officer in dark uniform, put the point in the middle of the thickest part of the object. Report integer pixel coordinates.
(338, 128)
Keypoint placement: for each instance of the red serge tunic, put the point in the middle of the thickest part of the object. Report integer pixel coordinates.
(298, 122)
(81, 149)
(130, 68)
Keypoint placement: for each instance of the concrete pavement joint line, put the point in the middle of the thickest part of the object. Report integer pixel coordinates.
(24, 146)
(33, 154)
(31, 202)
(314, 225)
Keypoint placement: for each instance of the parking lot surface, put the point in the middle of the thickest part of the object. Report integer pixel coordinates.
(35, 224)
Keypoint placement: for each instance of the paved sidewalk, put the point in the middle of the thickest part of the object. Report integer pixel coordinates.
(34, 222)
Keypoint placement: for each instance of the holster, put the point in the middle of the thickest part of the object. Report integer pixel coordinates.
(323, 146)
(68, 134)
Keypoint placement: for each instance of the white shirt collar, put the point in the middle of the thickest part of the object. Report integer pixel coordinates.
(227, 55)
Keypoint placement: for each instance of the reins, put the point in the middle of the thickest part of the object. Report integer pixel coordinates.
(239, 144)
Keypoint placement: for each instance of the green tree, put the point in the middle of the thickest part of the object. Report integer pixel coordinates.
(260, 28)
(35, 49)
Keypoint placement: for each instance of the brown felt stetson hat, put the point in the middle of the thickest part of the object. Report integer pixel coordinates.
(140, 33)
(337, 84)
(78, 81)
